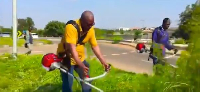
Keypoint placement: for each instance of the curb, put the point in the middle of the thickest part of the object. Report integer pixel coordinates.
(129, 44)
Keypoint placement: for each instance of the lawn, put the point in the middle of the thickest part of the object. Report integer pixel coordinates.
(27, 75)
(9, 41)
(20, 42)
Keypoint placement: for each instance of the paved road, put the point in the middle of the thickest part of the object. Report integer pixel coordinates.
(127, 59)
(121, 56)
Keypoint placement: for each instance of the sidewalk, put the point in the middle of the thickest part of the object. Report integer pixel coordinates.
(134, 45)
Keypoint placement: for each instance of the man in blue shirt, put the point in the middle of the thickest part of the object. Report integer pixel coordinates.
(29, 40)
(160, 41)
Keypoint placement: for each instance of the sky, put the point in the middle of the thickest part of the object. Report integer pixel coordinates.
(108, 13)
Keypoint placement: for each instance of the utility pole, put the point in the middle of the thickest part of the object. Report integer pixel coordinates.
(14, 11)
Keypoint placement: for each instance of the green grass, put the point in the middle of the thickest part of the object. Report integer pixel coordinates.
(9, 41)
(20, 42)
(44, 41)
(116, 39)
(27, 75)
(179, 41)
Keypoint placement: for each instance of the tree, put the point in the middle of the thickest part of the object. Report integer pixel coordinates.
(40, 32)
(54, 28)
(192, 25)
(184, 16)
(109, 32)
(24, 24)
(137, 34)
(6, 29)
(121, 31)
(30, 22)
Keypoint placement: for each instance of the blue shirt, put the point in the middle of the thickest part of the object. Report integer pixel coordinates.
(24, 32)
(161, 36)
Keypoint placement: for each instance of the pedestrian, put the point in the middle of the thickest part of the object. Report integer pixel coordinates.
(140, 47)
(28, 40)
(160, 41)
(71, 48)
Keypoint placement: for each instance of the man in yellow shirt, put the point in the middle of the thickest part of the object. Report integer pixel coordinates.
(71, 47)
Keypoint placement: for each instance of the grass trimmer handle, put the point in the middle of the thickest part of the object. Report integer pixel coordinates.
(97, 77)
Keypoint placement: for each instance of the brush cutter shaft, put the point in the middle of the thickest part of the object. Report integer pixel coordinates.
(63, 70)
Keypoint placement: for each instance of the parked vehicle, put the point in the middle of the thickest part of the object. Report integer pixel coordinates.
(35, 35)
(5, 34)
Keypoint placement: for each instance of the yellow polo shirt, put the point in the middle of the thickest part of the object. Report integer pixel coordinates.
(71, 36)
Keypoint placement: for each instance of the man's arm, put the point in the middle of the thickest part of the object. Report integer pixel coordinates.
(27, 37)
(70, 39)
(167, 45)
(154, 37)
(96, 48)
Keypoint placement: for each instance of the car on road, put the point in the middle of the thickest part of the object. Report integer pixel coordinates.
(35, 35)
(5, 34)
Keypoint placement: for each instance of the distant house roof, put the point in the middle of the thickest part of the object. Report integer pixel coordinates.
(134, 28)
(147, 31)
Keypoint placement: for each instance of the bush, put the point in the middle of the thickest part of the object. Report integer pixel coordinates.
(116, 39)
(179, 41)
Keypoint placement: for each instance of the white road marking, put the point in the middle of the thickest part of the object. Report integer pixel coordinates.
(152, 63)
(174, 66)
(104, 55)
(132, 51)
(124, 53)
(37, 51)
(115, 54)
(148, 61)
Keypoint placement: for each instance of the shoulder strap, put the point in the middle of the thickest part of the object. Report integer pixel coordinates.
(75, 25)
(80, 38)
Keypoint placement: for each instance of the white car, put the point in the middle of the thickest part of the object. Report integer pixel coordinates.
(5, 34)
(35, 35)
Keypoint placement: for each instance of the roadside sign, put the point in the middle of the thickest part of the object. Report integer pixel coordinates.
(19, 33)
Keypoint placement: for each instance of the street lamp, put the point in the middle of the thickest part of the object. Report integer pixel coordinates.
(14, 50)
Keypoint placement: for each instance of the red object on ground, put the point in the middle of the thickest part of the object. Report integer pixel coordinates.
(140, 46)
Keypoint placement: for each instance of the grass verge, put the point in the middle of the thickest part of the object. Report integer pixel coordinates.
(8, 41)
(27, 75)
(20, 42)
(44, 41)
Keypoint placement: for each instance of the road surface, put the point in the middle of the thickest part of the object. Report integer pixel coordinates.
(127, 59)
(121, 56)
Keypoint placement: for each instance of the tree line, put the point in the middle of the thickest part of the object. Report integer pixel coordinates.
(52, 28)
(185, 19)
